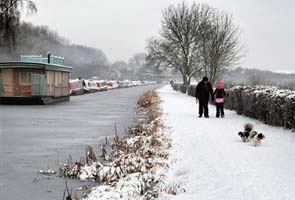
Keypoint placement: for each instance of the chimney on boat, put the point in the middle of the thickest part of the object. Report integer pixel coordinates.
(48, 57)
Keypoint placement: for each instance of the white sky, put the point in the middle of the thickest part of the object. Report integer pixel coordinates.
(120, 27)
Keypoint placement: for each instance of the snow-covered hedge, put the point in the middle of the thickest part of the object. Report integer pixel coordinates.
(268, 104)
(190, 90)
(180, 87)
(176, 86)
(183, 88)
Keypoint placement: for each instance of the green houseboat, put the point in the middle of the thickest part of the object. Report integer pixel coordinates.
(34, 80)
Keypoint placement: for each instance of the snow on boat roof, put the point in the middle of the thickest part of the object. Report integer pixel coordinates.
(38, 65)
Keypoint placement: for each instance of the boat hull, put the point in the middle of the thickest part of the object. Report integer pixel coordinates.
(32, 100)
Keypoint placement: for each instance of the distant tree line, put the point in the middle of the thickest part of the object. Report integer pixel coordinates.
(86, 61)
(136, 67)
(195, 39)
(18, 38)
(38, 40)
(254, 77)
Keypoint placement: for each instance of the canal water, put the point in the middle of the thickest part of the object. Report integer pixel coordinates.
(39, 137)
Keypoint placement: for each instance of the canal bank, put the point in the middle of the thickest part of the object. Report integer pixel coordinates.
(35, 137)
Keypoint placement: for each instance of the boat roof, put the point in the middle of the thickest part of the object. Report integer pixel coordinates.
(36, 65)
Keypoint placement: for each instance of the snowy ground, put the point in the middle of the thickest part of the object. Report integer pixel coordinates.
(210, 162)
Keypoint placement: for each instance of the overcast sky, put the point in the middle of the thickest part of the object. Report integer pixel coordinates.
(120, 27)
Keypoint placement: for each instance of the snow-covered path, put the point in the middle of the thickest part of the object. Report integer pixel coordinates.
(210, 161)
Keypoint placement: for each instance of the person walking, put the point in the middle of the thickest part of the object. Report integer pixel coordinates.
(203, 92)
(219, 95)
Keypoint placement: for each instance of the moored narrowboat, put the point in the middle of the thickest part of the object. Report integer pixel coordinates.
(34, 80)
(124, 84)
(78, 87)
(93, 87)
(102, 85)
(112, 85)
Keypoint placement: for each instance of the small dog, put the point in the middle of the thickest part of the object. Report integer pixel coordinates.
(248, 134)
(257, 137)
(245, 135)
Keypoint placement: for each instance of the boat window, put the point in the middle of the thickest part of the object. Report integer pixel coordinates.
(58, 78)
(25, 77)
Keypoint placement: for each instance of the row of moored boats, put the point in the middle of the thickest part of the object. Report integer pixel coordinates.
(84, 86)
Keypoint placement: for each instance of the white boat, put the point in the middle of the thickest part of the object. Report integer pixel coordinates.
(112, 85)
(102, 85)
(125, 84)
(93, 87)
(76, 87)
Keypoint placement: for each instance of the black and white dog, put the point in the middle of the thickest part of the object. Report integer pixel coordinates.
(248, 134)
(245, 135)
(257, 137)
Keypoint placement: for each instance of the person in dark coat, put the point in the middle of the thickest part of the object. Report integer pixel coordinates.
(219, 95)
(203, 92)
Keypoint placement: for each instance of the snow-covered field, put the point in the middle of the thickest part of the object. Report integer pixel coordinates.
(210, 162)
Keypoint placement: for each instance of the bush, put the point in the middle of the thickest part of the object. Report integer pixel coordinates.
(268, 104)
(176, 86)
(183, 88)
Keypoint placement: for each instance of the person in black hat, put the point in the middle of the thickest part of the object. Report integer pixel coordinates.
(203, 92)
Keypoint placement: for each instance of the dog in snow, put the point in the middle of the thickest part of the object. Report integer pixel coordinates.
(257, 137)
(249, 135)
(245, 135)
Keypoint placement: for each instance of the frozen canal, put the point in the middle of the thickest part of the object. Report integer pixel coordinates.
(36, 137)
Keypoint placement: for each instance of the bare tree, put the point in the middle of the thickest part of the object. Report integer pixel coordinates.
(138, 60)
(193, 39)
(179, 42)
(10, 13)
(220, 48)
